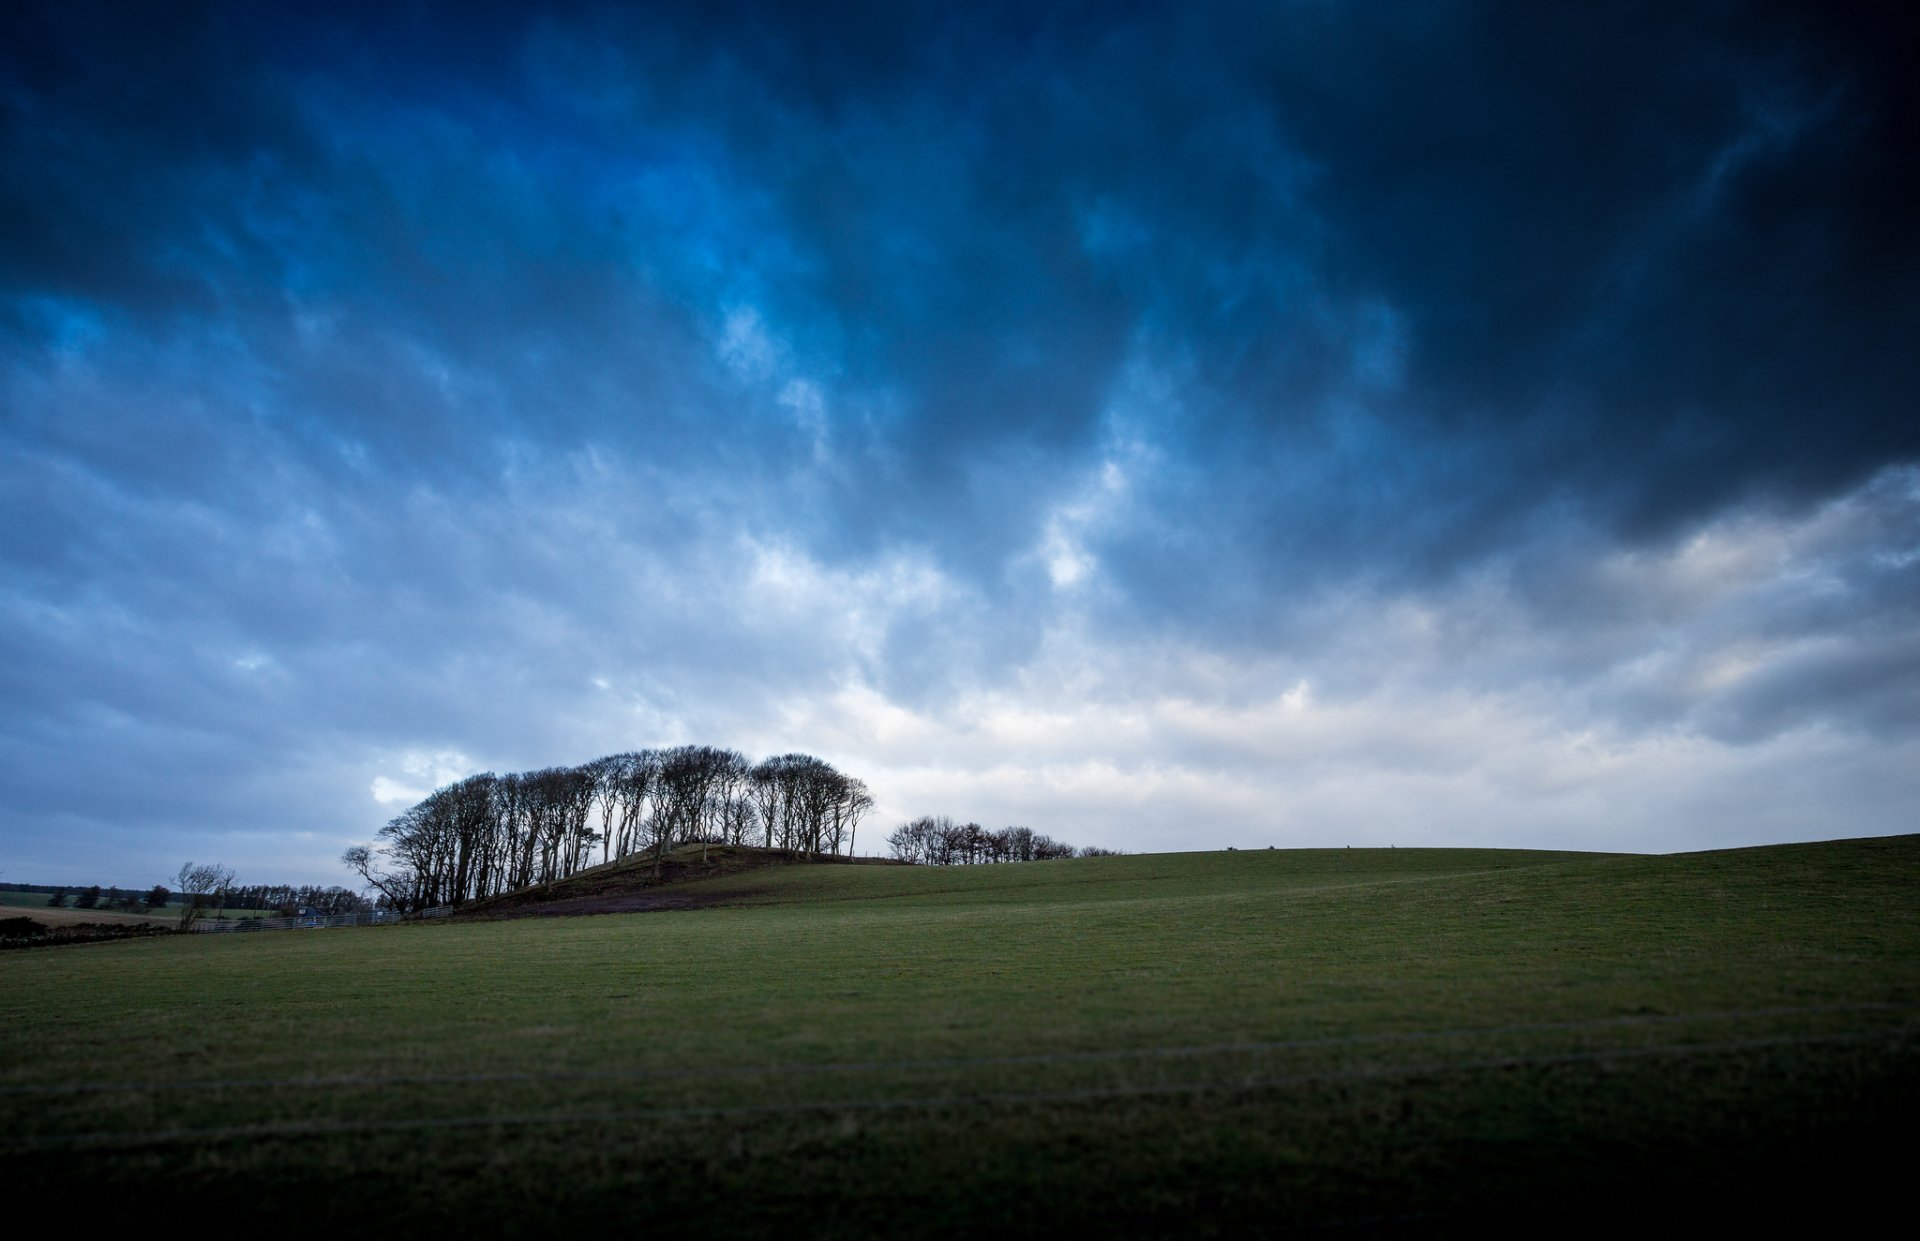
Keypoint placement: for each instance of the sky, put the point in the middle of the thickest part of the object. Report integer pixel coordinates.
(1163, 426)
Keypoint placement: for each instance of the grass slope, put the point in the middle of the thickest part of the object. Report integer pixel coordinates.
(644, 883)
(1428, 1041)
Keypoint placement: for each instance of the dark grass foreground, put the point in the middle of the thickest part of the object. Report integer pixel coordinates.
(1405, 1042)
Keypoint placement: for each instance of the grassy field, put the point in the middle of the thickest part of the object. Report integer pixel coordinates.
(1400, 1041)
(17, 904)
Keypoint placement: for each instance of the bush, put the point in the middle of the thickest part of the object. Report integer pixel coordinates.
(26, 933)
(20, 928)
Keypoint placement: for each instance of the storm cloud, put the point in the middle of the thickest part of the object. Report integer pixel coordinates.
(1169, 428)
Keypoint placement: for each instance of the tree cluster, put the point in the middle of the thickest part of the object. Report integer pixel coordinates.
(939, 841)
(490, 833)
(204, 886)
(97, 897)
(289, 899)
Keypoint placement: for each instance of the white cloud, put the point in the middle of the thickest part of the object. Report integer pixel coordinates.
(392, 792)
(421, 773)
(1067, 525)
(1483, 712)
(747, 347)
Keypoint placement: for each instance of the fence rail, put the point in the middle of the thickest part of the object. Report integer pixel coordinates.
(313, 922)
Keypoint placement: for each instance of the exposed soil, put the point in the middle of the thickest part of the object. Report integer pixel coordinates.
(96, 917)
(629, 886)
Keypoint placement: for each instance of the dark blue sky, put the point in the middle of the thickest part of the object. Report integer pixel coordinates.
(1166, 427)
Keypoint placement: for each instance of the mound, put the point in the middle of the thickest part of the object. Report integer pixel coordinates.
(630, 886)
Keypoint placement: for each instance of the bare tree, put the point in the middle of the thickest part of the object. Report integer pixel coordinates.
(804, 804)
(942, 842)
(855, 802)
(605, 773)
(915, 841)
(633, 780)
(204, 886)
(766, 794)
(727, 806)
(395, 888)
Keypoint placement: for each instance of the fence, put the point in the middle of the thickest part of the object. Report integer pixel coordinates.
(314, 922)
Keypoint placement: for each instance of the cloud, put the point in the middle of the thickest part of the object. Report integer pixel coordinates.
(1150, 426)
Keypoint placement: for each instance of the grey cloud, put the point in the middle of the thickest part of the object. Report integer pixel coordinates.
(1759, 622)
(976, 224)
(368, 384)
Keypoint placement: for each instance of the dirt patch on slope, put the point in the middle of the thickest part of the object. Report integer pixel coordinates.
(609, 903)
(630, 886)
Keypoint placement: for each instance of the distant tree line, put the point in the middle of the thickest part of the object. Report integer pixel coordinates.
(289, 899)
(490, 833)
(96, 897)
(938, 841)
(204, 887)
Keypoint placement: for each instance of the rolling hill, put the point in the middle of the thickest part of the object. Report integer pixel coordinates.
(1423, 1041)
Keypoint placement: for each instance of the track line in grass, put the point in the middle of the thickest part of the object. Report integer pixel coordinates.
(324, 1128)
(966, 1062)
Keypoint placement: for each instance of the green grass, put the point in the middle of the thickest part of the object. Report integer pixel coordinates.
(1424, 1040)
(13, 898)
(17, 904)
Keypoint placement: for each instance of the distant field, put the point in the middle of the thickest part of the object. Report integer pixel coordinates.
(1428, 1041)
(15, 904)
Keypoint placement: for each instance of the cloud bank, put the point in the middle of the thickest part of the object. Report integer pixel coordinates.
(1293, 424)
